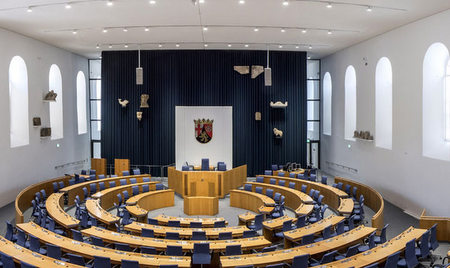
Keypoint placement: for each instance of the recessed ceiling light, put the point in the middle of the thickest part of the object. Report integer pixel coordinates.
(246, 45)
(369, 9)
(241, 2)
(110, 3)
(68, 6)
(205, 45)
(309, 57)
(229, 45)
(177, 45)
(330, 32)
(125, 46)
(296, 46)
(329, 5)
(29, 10)
(201, 1)
(255, 29)
(147, 29)
(74, 32)
(285, 3)
(310, 47)
(283, 30)
(152, 2)
(105, 30)
(97, 46)
(205, 29)
(159, 45)
(110, 46)
(125, 29)
(280, 46)
(304, 31)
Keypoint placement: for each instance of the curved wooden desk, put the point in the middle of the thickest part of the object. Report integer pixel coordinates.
(55, 209)
(255, 202)
(19, 254)
(23, 199)
(160, 231)
(287, 173)
(108, 196)
(271, 226)
(161, 244)
(331, 196)
(77, 189)
(139, 205)
(372, 199)
(381, 252)
(294, 198)
(89, 251)
(185, 222)
(95, 210)
(297, 234)
(342, 241)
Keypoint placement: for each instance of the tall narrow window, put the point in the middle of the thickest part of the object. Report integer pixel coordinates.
(447, 103)
(350, 102)
(56, 108)
(435, 102)
(81, 103)
(327, 103)
(18, 103)
(383, 104)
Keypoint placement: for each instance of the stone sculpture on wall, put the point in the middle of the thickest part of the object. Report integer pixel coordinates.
(139, 115)
(257, 70)
(144, 99)
(50, 96)
(124, 103)
(258, 116)
(242, 69)
(278, 133)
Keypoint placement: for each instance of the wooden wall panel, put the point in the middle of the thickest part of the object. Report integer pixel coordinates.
(121, 165)
(99, 164)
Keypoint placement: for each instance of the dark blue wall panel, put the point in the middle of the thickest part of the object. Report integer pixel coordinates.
(203, 78)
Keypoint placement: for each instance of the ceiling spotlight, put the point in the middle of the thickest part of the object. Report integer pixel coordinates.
(147, 29)
(110, 46)
(125, 29)
(125, 46)
(29, 10)
(296, 46)
(280, 46)
(201, 1)
(74, 32)
(330, 32)
(205, 29)
(241, 2)
(110, 3)
(329, 5)
(229, 45)
(309, 57)
(246, 45)
(105, 30)
(255, 29)
(283, 30)
(310, 47)
(205, 45)
(97, 46)
(159, 45)
(369, 9)
(285, 3)
(68, 6)
(304, 31)
(177, 45)
(152, 2)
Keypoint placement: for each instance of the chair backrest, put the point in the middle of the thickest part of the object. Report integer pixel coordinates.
(292, 185)
(148, 250)
(92, 172)
(272, 181)
(174, 250)
(130, 264)
(320, 199)
(146, 179)
(55, 187)
(259, 220)
(248, 187)
(219, 224)
(340, 185)
(287, 225)
(301, 176)
(136, 171)
(260, 179)
(172, 235)
(281, 174)
(93, 188)
(123, 181)
(112, 184)
(383, 233)
(195, 224)
(101, 176)
(152, 221)
(354, 191)
(122, 246)
(258, 190)
(185, 168)
(133, 180)
(71, 182)
(8, 261)
(86, 193)
(353, 250)
(371, 241)
(101, 186)
(278, 265)
(249, 233)
(135, 190)
(301, 221)
(324, 179)
(340, 227)
(269, 249)
(326, 232)
(274, 167)
(311, 192)
(125, 195)
(221, 167)
(269, 193)
(76, 235)
(328, 257)
(205, 164)
(307, 239)
(102, 262)
(126, 218)
(119, 199)
(282, 182)
(201, 248)
(391, 261)
(159, 186)
(277, 197)
(174, 224)
(351, 222)
(316, 194)
(348, 188)
(35, 243)
(76, 259)
(300, 261)
(424, 249)
(433, 237)
(148, 232)
(96, 241)
(225, 235)
(233, 250)
(304, 188)
(268, 172)
(145, 188)
(125, 173)
(54, 251)
(291, 175)
(198, 235)
(410, 254)
(21, 238)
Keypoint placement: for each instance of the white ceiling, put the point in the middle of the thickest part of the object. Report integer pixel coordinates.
(180, 21)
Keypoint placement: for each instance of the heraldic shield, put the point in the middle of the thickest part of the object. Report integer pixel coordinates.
(203, 130)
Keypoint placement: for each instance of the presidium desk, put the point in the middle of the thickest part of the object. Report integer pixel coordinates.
(205, 187)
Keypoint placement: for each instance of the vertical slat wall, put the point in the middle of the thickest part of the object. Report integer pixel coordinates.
(204, 78)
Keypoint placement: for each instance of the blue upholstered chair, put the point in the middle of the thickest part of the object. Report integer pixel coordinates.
(292, 175)
(122, 247)
(201, 254)
(135, 190)
(392, 260)
(350, 225)
(281, 174)
(326, 258)
(133, 180)
(225, 235)
(268, 172)
(101, 186)
(195, 224)
(287, 226)
(370, 243)
(273, 181)
(174, 224)
(269, 193)
(77, 259)
(248, 187)
(198, 235)
(423, 251)
(353, 250)
(112, 184)
(136, 171)
(219, 224)
(76, 235)
(205, 164)
(324, 179)
(123, 181)
(130, 264)
(307, 239)
(382, 237)
(292, 185)
(96, 241)
(222, 167)
(147, 232)
(300, 261)
(125, 173)
(102, 262)
(185, 168)
(126, 196)
(148, 250)
(260, 179)
(146, 179)
(159, 186)
(152, 221)
(145, 188)
(274, 167)
(55, 187)
(282, 182)
(258, 189)
(269, 248)
(101, 176)
(10, 232)
(249, 233)
(257, 225)
(233, 250)
(410, 259)
(172, 235)
(8, 261)
(54, 252)
(304, 188)
(326, 233)
(35, 245)
(301, 221)
(93, 188)
(174, 250)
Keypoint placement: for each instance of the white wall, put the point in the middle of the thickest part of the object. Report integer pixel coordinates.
(218, 149)
(35, 162)
(403, 175)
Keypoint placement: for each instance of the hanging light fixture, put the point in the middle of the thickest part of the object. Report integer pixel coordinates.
(268, 72)
(139, 70)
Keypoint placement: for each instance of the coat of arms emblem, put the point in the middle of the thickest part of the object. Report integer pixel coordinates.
(203, 130)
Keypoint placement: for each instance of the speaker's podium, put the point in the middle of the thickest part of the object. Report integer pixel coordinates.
(201, 189)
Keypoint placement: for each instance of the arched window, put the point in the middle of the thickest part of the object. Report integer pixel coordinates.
(383, 104)
(18, 103)
(350, 102)
(56, 108)
(435, 103)
(81, 103)
(327, 103)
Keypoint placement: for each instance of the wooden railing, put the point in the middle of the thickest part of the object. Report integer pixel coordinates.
(443, 225)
